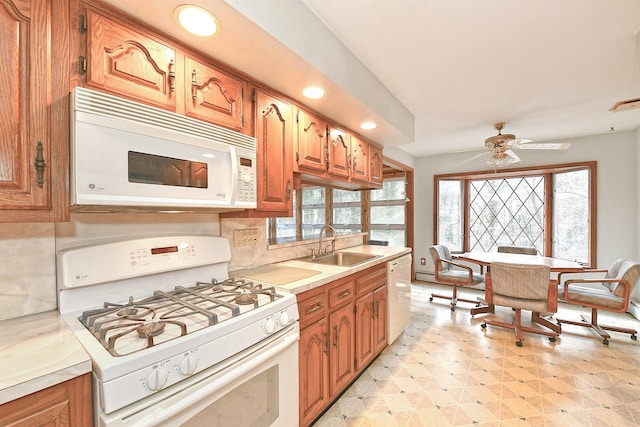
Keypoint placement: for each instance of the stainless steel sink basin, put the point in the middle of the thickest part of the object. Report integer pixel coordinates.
(342, 259)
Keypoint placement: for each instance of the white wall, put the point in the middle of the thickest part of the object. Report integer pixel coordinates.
(401, 156)
(618, 183)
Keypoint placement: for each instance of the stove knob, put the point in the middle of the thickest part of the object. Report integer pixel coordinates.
(284, 318)
(157, 379)
(270, 326)
(188, 365)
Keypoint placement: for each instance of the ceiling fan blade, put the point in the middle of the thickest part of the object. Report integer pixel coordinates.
(470, 159)
(511, 153)
(543, 146)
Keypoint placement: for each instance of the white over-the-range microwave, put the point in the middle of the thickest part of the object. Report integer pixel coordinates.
(130, 156)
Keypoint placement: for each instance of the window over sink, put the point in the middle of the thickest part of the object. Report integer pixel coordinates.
(315, 206)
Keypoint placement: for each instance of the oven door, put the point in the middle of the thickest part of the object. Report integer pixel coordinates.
(258, 387)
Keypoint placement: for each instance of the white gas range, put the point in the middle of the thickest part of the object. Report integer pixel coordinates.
(173, 340)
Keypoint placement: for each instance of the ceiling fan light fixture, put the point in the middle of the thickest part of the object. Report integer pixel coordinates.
(499, 160)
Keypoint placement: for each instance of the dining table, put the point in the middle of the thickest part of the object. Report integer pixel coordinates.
(484, 260)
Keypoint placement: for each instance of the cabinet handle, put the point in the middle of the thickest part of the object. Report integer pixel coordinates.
(326, 343)
(377, 308)
(315, 308)
(326, 156)
(335, 336)
(344, 294)
(40, 164)
(288, 189)
(172, 75)
(194, 85)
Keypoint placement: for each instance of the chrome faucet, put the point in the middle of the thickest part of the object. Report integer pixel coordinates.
(333, 240)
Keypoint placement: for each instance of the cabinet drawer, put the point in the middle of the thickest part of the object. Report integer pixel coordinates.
(371, 279)
(341, 293)
(312, 308)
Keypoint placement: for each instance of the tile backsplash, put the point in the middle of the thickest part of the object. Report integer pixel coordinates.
(28, 251)
(28, 278)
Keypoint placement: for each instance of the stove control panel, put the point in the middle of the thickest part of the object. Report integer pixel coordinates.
(108, 262)
(276, 322)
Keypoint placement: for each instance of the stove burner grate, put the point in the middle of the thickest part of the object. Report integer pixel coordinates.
(162, 313)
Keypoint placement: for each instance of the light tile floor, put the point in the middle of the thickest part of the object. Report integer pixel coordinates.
(445, 370)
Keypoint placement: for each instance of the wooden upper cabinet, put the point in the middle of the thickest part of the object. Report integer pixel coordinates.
(338, 151)
(375, 165)
(34, 117)
(310, 143)
(213, 95)
(124, 61)
(274, 134)
(359, 159)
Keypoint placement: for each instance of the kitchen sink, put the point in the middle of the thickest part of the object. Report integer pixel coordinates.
(342, 259)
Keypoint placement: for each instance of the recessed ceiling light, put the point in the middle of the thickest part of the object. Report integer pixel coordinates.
(313, 92)
(196, 20)
(368, 125)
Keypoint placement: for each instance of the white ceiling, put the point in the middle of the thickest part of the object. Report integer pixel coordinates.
(436, 74)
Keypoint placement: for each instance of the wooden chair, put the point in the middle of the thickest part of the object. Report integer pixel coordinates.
(611, 294)
(524, 250)
(452, 273)
(521, 287)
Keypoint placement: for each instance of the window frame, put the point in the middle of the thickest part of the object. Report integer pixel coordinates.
(546, 171)
(402, 202)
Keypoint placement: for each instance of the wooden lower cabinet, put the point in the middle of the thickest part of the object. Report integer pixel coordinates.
(339, 323)
(341, 350)
(61, 405)
(314, 367)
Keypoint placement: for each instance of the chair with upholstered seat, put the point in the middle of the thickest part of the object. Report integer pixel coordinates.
(611, 294)
(452, 273)
(521, 287)
(524, 250)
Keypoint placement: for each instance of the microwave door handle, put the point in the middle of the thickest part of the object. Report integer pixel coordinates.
(234, 174)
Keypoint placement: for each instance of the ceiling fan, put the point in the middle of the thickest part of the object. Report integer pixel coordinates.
(502, 146)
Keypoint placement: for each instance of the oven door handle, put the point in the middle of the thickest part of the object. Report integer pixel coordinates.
(213, 388)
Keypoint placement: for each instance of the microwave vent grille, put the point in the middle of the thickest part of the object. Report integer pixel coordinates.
(107, 105)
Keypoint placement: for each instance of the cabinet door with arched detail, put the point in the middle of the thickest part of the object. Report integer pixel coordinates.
(34, 114)
(214, 96)
(130, 63)
(310, 143)
(375, 165)
(338, 152)
(274, 134)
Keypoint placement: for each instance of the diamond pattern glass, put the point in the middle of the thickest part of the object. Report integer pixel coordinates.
(506, 212)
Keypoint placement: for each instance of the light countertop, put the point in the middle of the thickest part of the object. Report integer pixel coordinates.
(39, 350)
(329, 273)
(36, 352)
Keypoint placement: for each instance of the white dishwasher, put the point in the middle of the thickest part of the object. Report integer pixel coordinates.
(399, 296)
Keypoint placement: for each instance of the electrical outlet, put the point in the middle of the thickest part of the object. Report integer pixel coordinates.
(245, 237)
(423, 261)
